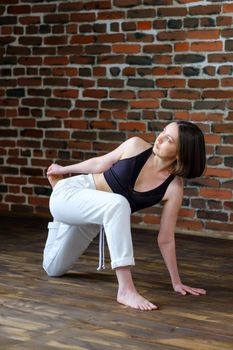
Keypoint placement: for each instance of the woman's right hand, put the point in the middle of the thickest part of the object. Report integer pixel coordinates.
(55, 169)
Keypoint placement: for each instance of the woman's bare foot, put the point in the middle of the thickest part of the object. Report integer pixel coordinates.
(127, 293)
(53, 179)
(132, 299)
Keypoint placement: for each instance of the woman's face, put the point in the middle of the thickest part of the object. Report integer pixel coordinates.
(166, 144)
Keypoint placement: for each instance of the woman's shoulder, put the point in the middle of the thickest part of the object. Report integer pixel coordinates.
(175, 190)
(135, 145)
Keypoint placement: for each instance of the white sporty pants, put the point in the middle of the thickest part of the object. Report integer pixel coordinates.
(79, 210)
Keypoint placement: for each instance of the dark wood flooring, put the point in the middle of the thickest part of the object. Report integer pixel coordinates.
(78, 311)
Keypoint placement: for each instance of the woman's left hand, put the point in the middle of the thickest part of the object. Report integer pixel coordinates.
(183, 289)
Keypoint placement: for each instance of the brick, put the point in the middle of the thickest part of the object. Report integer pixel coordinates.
(6, 40)
(207, 46)
(144, 25)
(82, 39)
(84, 136)
(155, 48)
(223, 94)
(69, 93)
(93, 104)
(221, 57)
(219, 226)
(144, 104)
(203, 83)
(27, 61)
(185, 94)
(70, 72)
(214, 215)
(224, 21)
(170, 83)
(188, 58)
(129, 26)
(215, 193)
(209, 70)
(70, 6)
(139, 60)
(122, 94)
(57, 113)
(188, 213)
(108, 59)
(110, 38)
(113, 15)
(56, 18)
(172, 36)
(181, 47)
(97, 49)
(227, 8)
(228, 161)
(145, 83)
(56, 60)
(117, 83)
(95, 93)
(176, 105)
(15, 199)
(126, 3)
(132, 126)
(209, 105)
(103, 125)
(203, 34)
(101, 4)
(57, 134)
(16, 161)
(153, 94)
(39, 92)
(7, 20)
(79, 59)
(29, 81)
(30, 40)
(223, 128)
(190, 225)
(228, 205)
(171, 12)
(225, 173)
(126, 48)
(83, 17)
(227, 82)
(204, 10)
(142, 13)
(33, 102)
(114, 104)
(56, 40)
(55, 81)
(151, 219)
(38, 201)
(27, 20)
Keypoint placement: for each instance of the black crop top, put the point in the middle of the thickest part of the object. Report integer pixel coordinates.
(121, 178)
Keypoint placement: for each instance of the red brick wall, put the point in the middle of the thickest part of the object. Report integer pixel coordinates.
(79, 77)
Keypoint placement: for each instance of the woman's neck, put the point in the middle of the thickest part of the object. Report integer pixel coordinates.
(162, 164)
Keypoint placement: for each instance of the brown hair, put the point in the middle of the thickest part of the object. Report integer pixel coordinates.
(191, 151)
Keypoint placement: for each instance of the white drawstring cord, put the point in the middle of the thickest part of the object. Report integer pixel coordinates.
(101, 250)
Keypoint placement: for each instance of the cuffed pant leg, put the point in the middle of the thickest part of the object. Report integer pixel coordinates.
(117, 227)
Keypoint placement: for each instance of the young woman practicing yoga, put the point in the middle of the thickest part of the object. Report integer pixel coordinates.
(134, 176)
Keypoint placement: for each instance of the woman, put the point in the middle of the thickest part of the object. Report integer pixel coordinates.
(133, 176)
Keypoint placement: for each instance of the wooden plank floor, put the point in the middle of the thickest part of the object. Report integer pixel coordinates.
(78, 311)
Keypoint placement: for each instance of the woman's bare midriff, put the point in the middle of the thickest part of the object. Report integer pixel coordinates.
(101, 183)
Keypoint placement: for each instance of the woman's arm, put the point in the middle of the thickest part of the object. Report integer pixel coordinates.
(96, 165)
(166, 237)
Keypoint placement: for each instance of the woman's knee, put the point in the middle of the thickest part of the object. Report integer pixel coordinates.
(118, 206)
